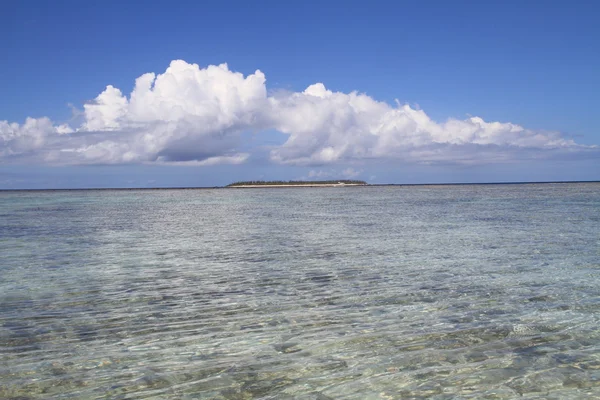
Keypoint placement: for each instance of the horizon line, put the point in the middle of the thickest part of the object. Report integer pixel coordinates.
(225, 187)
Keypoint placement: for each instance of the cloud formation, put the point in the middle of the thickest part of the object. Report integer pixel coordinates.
(195, 116)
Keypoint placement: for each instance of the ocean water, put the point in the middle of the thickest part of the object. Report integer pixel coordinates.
(441, 292)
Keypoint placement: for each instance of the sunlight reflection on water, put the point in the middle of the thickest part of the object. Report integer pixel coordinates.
(360, 293)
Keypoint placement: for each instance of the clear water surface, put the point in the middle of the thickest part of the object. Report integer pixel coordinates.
(442, 292)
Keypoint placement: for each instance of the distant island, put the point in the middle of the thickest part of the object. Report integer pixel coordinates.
(262, 184)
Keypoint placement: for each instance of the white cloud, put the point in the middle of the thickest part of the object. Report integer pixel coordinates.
(326, 127)
(238, 158)
(194, 116)
(19, 139)
(106, 112)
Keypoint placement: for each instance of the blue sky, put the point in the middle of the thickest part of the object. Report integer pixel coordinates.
(527, 70)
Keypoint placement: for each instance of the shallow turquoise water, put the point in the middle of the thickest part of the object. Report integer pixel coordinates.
(443, 292)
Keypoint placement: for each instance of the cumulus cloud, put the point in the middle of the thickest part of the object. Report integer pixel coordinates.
(195, 116)
(326, 127)
(29, 137)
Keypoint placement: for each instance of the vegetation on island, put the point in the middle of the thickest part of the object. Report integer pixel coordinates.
(299, 183)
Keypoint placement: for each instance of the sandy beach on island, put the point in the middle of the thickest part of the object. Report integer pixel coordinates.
(300, 185)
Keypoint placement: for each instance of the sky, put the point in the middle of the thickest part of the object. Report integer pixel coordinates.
(172, 94)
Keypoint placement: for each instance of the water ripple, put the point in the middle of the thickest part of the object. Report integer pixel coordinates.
(357, 293)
